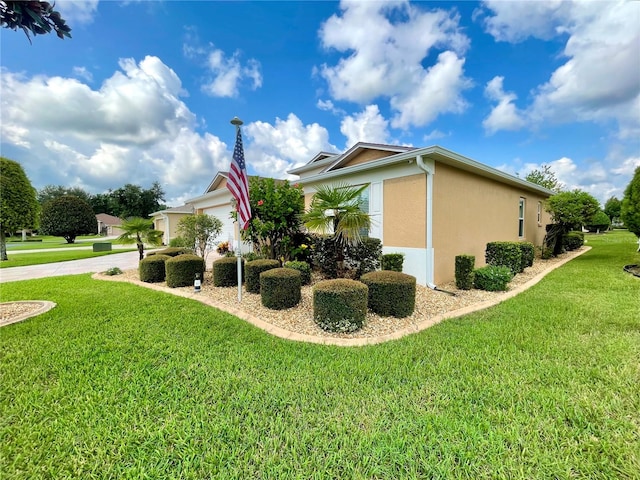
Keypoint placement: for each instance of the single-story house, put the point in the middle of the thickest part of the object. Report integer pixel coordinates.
(167, 221)
(109, 225)
(430, 203)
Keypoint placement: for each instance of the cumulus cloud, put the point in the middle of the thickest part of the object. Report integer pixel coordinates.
(385, 45)
(328, 106)
(274, 149)
(434, 135)
(133, 129)
(600, 80)
(505, 115)
(228, 72)
(366, 126)
(77, 12)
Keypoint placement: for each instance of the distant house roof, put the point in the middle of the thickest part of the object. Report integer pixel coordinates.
(108, 220)
(186, 208)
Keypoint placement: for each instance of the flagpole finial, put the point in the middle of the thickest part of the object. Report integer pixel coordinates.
(236, 121)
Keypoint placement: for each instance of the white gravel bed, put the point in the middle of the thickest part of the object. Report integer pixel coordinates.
(299, 319)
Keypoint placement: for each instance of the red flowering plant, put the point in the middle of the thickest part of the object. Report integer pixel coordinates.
(275, 226)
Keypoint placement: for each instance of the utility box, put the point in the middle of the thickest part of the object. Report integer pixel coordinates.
(102, 247)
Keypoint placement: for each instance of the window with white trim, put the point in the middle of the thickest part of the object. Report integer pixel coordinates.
(521, 218)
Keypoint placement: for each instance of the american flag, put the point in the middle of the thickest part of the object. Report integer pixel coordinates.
(238, 183)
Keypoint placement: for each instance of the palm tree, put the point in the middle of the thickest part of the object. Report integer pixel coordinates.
(336, 209)
(139, 231)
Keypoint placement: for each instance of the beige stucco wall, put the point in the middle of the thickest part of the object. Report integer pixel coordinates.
(404, 207)
(470, 211)
(366, 156)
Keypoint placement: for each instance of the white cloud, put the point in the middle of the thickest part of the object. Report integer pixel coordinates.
(385, 44)
(434, 135)
(366, 126)
(505, 115)
(227, 73)
(133, 129)
(328, 106)
(600, 81)
(83, 73)
(274, 149)
(77, 12)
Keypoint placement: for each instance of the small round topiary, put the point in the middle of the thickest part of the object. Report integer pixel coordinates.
(225, 272)
(280, 288)
(171, 251)
(340, 305)
(391, 293)
(152, 269)
(252, 271)
(182, 269)
(303, 267)
(492, 278)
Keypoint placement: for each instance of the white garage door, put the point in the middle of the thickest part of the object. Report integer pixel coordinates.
(227, 232)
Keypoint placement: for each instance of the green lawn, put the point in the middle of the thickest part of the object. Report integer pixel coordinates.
(15, 244)
(39, 258)
(119, 381)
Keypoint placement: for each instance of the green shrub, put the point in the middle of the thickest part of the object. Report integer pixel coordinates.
(303, 267)
(152, 269)
(391, 293)
(492, 278)
(599, 223)
(324, 255)
(464, 271)
(252, 271)
(528, 252)
(172, 251)
(280, 288)
(113, 271)
(504, 254)
(340, 305)
(251, 256)
(225, 272)
(573, 240)
(178, 242)
(182, 269)
(363, 257)
(392, 261)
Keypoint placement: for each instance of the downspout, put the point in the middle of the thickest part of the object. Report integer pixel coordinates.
(429, 168)
(167, 231)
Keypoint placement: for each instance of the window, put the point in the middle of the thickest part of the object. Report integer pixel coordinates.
(539, 214)
(521, 218)
(363, 200)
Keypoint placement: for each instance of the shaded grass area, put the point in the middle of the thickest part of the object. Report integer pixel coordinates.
(15, 244)
(39, 258)
(544, 385)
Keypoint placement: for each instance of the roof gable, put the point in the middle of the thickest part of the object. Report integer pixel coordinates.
(218, 182)
(366, 152)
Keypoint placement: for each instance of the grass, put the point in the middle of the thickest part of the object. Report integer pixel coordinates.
(544, 385)
(16, 244)
(39, 258)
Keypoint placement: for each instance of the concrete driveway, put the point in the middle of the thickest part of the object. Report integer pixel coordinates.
(124, 261)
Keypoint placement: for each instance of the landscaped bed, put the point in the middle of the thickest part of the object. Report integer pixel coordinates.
(431, 305)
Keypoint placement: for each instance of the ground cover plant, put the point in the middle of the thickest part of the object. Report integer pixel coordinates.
(541, 386)
(39, 258)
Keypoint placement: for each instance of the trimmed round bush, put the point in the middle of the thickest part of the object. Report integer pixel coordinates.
(392, 261)
(391, 293)
(280, 288)
(492, 278)
(340, 305)
(171, 251)
(252, 271)
(225, 272)
(181, 270)
(573, 240)
(152, 269)
(303, 267)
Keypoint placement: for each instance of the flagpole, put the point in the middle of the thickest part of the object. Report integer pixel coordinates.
(237, 122)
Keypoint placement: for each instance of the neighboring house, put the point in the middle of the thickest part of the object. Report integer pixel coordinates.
(167, 221)
(108, 225)
(429, 203)
(433, 204)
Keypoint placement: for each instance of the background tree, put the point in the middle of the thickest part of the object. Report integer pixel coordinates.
(198, 231)
(630, 208)
(68, 217)
(569, 211)
(18, 205)
(139, 231)
(545, 177)
(33, 17)
(133, 201)
(276, 207)
(102, 203)
(51, 192)
(599, 223)
(612, 209)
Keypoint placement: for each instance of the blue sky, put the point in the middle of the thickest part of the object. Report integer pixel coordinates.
(144, 91)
